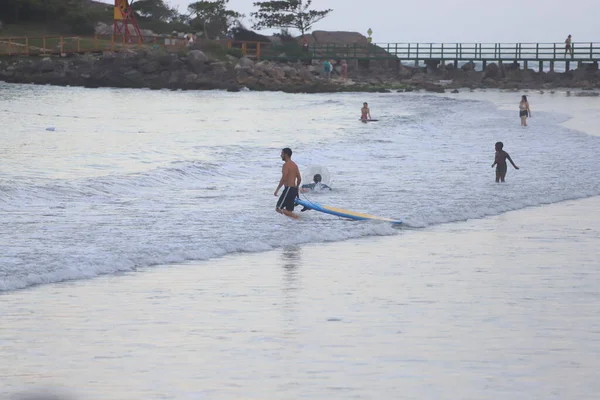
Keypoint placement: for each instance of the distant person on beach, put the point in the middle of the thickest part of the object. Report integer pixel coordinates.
(327, 69)
(500, 162)
(344, 70)
(524, 110)
(365, 112)
(568, 48)
(315, 185)
(290, 180)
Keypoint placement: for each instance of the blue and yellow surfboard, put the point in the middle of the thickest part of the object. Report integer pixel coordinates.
(340, 212)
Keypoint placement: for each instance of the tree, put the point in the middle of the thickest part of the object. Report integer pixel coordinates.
(212, 16)
(154, 9)
(287, 14)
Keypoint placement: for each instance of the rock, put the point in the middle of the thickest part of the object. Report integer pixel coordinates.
(470, 66)
(108, 56)
(196, 56)
(165, 60)
(232, 60)
(242, 76)
(197, 61)
(276, 73)
(492, 71)
(432, 65)
(245, 62)
(128, 55)
(46, 65)
(432, 87)
(262, 65)
(455, 91)
(404, 72)
(134, 76)
(290, 72)
(149, 67)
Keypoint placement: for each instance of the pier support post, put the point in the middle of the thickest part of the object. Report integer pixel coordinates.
(416, 63)
(567, 65)
(525, 65)
(552, 66)
(455, 64)
(541, 67)
(484, 64)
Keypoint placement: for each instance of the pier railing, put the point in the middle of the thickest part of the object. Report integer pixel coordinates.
(49, 45)
(460, 51)
(581, 51)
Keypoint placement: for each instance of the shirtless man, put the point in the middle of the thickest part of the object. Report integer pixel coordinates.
(568, 48)
(290, 180)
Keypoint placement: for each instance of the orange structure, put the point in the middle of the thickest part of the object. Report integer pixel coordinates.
(124, 16)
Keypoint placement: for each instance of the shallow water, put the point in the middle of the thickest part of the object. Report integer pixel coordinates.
(504, 307)
(133, 178)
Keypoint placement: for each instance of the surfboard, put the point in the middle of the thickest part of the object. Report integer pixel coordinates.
(368, 120)
(340, 212)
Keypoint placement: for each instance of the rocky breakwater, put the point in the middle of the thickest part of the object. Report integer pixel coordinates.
(156, 69)
(504, 76)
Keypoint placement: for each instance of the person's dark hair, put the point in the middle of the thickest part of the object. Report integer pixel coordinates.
(287, 151)
(499, 145)
(523, 98)
(317, 178)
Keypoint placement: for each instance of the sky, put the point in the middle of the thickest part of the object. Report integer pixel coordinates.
(451, 21)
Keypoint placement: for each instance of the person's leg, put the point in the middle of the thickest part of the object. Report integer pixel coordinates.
(290, 214)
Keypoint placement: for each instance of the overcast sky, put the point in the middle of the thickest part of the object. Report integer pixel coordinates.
(453, 20)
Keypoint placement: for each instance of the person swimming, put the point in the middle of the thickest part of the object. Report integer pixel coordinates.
(315, 185)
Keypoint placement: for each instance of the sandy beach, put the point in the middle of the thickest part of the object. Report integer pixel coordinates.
(494, 308)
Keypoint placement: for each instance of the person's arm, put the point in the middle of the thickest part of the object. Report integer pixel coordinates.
(495, 162)
(511, 161)
(283, 172)
(528, 110)
(369, 113)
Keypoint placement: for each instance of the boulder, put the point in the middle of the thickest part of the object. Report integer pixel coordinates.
(290, 72)
(108, 56)
(196, 60)
(46, 65)
(470, 66)
(492, 71)
(245, 62)
(197, 56)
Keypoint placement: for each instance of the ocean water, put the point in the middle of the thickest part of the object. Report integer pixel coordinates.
(104, 181)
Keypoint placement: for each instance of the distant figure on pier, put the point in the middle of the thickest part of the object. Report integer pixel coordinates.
(524, 110)
(500, 162)
(365, 113)
(568, 48)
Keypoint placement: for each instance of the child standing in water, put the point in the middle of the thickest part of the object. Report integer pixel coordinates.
(500, 162)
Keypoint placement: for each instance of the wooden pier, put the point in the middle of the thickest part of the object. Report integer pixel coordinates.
(537, 55)
(455, 53)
